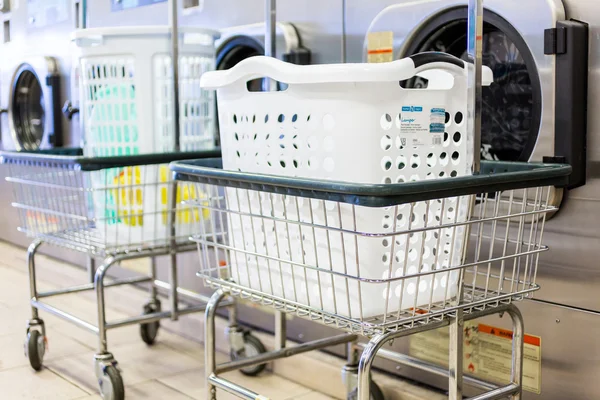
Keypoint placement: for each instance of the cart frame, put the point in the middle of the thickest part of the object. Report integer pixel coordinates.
(495, 177)
(106, 367)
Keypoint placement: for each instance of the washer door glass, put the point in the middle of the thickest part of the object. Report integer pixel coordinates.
(27, 111)
(512, 104)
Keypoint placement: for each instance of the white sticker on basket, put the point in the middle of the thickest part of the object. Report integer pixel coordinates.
(423, 126)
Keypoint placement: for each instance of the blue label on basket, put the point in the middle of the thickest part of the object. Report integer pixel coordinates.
(412, 109)
(437, 120)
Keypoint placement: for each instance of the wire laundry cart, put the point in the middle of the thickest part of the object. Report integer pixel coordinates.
(117, 209)
(379, 261)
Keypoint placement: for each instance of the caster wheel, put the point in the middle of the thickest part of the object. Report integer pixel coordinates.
(35, 347)
(149, 330)
(111, 384)
(252, 347)
(376, 393)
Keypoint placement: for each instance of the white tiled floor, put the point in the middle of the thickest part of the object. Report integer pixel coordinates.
(172, 369)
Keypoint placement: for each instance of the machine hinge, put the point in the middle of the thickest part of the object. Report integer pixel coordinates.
(555, 41)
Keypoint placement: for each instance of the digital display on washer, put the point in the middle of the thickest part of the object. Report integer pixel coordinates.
(512, 104)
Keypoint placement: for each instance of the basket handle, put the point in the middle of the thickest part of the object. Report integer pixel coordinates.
(436, 60)
(267, 67)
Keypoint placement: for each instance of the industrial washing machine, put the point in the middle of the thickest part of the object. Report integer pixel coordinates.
(545, 55)
(35, 81)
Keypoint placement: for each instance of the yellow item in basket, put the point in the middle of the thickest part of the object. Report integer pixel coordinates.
(187, 213)
(129, 196)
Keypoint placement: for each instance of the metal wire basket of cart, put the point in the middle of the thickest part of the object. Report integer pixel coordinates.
(114, 208)
(375, 260)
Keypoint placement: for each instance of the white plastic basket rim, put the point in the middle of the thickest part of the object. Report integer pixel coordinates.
(261, 66)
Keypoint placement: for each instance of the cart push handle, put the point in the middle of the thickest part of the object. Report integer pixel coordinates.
(399, 70)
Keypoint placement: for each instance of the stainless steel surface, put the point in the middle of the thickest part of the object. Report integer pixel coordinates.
(405, 18)
(482, 287)
(569, 348)
(172, 217)
(474, 99)
(568, 274)
(48, 50)
(456, 356)
(38, 305)
(416, 363)
(90, 286)
(270, 32)
(285, 352)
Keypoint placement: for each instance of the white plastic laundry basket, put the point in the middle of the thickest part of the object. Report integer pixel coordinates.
(126, 95)
(354, 123)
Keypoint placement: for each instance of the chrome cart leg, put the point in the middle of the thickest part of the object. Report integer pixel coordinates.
(456, 357)
(350, 370)
(149, 330)
(280, 330)
(107, 372)
(31, 250)
(242, 344)
(173, 295)
(91, 268)
(153, 291)
(517, 350)
(210, 349)
(366, 389)
(35, 338)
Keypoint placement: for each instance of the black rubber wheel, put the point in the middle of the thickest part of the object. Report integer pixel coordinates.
(376, 393)
(111, 387)
(36, 347)
(253, 347)
(149, 330)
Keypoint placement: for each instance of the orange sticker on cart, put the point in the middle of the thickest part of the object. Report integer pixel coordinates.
(528, 339)
(380, 47)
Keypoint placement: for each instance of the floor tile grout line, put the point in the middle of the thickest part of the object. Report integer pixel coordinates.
(309, 391)
(67, 381)
(172, 388)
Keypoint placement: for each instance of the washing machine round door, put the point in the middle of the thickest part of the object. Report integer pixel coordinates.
(512, 104)
(27, 109)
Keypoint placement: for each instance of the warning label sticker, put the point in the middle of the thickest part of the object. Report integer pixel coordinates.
(487, 353)
(380, 47)
(422, 126)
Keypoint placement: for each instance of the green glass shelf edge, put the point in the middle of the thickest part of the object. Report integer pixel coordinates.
(494, 176)
(74, 157)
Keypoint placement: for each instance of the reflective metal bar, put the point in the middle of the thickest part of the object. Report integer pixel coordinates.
(456, 357)
(83, 14)
(280, 330)
(287, 352)
(184, 292)
(173, 23)
(153, 317)
(500, 393)
(270, 36)
(233, 388)
(61, 314)
(427, 367)
(31, 250)
(91, 269)
(90, 286)
(474, 50)
(210, 349)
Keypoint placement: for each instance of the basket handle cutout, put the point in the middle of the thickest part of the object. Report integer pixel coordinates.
(258, 85)
(434, 79)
